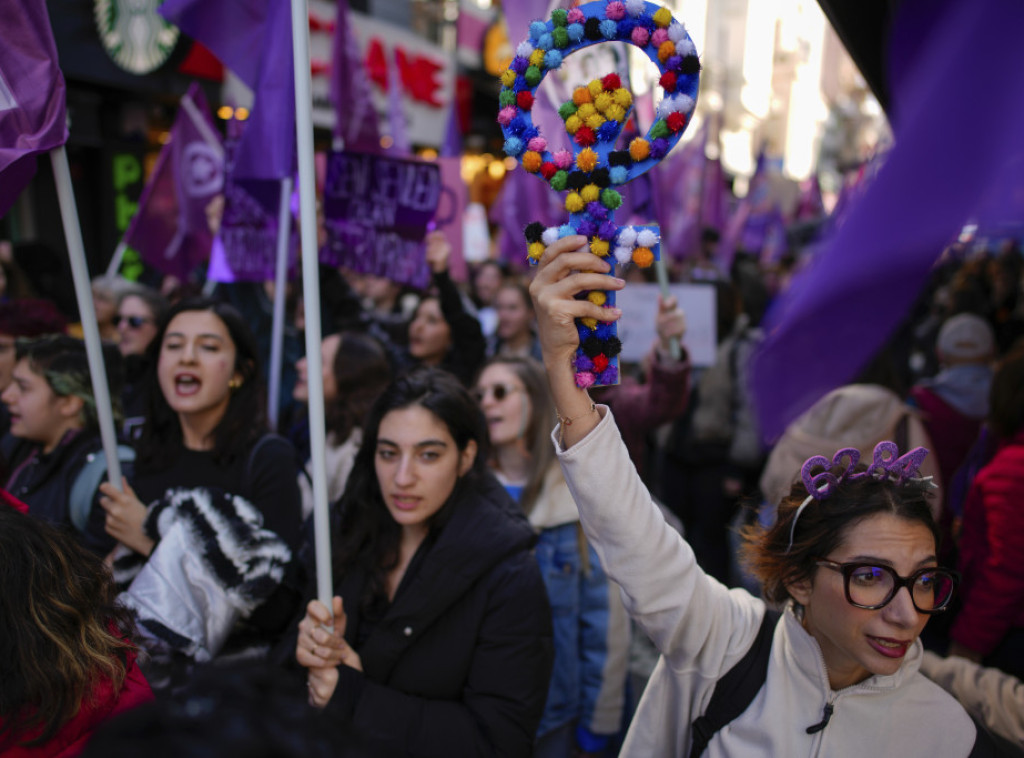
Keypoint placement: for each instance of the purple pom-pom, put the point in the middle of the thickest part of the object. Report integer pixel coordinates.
(587, 228)
(608, 377)
(659, 147)
(674, 62)
(607, 230)
(597, 211)
(519, 65)
(583, 363)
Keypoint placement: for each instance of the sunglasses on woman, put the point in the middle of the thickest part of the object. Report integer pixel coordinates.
(133, 322)
(498, 391)
(871, 586)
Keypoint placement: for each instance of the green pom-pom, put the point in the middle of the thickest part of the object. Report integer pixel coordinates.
(559, 181)
(560, 17)
(533, 77)
(611, 199)
(660, 129)
(507, 97)
(560, 37)
(567, 109)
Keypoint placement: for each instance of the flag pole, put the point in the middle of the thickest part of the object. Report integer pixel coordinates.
(311, 296)
(280, 285)
(117, 258)
(83, 293)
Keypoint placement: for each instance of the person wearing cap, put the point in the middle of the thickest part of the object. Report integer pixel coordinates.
(954, 402)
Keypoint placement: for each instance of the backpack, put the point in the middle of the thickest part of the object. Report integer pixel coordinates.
(83, 489)
(738, 687)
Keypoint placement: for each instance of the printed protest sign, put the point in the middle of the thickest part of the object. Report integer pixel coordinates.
(376, 211)
(246, 248)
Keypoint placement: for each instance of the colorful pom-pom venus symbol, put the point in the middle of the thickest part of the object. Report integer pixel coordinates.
(594, 118)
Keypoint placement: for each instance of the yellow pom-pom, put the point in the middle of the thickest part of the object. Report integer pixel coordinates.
(639, 149)
(590, 193)
(599, 247)
(602, 101)
(596, 87)
(508, 77)
(581, 95)
(662, 17)
(586, 161)
(536, 250)
(586, 110)
(623, 97)
(666, 50)
(615, 112)
(532, 161)
(590, 323)
(597, 297)
(595, 121)
(643, 257)
(573, 124)
(537, 58)
(574, 203)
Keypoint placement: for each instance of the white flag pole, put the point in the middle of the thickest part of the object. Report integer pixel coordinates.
(116, 259)
(83, 293)
(311, 295)
(280, 286)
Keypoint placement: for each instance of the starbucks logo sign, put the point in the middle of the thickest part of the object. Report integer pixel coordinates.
(135, 36)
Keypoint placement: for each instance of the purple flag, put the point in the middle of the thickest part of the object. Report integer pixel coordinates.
(32, 117)
(452, 146)
(350, 90)
(679, 184)
(811, 206)
(254, 39)
(170, 228)
(843, 307)
(376, 212)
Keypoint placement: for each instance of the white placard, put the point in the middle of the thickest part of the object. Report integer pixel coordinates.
(639, 304)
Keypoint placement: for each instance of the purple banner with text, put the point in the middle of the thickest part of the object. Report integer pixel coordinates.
(376, 211)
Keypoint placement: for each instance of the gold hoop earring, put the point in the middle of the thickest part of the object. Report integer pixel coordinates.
(234, 384)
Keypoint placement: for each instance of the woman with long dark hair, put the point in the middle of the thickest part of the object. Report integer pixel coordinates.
(220, 489)
(66, 655)
(442, 630)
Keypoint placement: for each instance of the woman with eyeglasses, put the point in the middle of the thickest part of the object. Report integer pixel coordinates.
(140, 309)
(587, 694)
(851, 561)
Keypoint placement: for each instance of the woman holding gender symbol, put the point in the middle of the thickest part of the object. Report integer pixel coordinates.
(851, 560)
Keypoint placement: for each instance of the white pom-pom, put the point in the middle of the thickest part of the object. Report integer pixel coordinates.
(524, 49)
(550, 236)
(627, 237)
(676, 33)
(623, 255)
(646, 238)
(678, 103)
(636, 7)
(664, 107)
(685, 47)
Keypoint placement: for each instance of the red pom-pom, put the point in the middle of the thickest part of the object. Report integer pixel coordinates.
(525, 99)
(676, 121)
(611, 82)
(600, 362)
(585, 136)
(667, 81)
(548, 170)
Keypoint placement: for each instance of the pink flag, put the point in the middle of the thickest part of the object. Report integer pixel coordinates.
(170, 229)
(350, 90)
(32, 119)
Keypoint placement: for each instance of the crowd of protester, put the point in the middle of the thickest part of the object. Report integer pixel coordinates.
(501, 589)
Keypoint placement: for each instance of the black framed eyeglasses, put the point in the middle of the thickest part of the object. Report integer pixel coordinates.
(871, 586)
(133, 322)
(499, 391)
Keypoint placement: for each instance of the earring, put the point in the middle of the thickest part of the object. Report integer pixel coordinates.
(235, 383)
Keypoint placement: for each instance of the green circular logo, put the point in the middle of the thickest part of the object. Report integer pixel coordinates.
(136, 37)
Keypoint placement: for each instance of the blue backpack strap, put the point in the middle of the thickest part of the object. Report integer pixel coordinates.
(83, 490)
(737, 688)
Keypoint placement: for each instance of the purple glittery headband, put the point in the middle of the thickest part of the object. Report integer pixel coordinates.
(887, 463)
